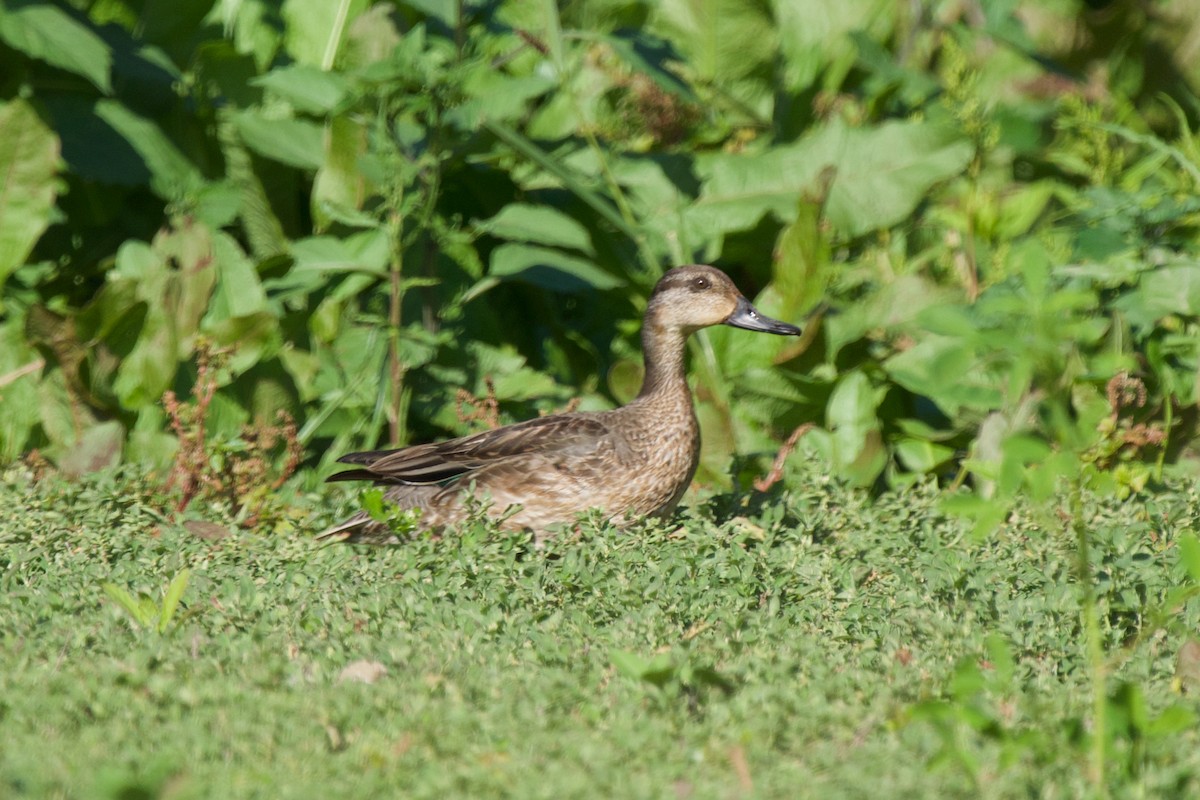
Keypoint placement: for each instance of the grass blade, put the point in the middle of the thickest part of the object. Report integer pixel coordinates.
(171, 599)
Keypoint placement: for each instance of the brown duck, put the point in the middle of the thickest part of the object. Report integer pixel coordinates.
(630, 462)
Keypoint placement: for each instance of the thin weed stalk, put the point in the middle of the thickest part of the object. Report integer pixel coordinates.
(1097, 663)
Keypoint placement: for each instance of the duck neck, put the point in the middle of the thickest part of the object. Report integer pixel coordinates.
(663, 349)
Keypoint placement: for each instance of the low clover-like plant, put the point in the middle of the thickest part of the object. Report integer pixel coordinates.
(401, 521)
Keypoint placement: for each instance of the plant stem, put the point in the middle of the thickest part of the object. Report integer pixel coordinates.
(1097, 665)
(395, 300)
(1168, 421)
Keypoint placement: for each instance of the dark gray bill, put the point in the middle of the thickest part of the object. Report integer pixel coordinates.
(748, 317)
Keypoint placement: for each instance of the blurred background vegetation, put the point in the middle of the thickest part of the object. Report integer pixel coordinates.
(231, 225)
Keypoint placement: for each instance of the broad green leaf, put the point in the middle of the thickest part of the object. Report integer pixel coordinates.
(218, 204)
(897, 304)
(188, 284)
(513, 378)
(550, 269)
(802, 266)
(1189, 555)
(148, 441)
(540, 225)
(881, 175)
(175, 278)
(814, 35)
(238, 292)
(658, 189)
(48, 33)
(250, 336)
(1019, 210)
(339, 188)
(723, 39)
(371, 501)
(373, 37)
(851, 418)
(1019, 452)
(949, 372)
(238, 313)
(20, 371)
(1168, 289)
(315, 28)
(657, 670)
(366, 252)
(306, 88)
(497, 96)
(29, 164)
(149, 369)
(295, 142)
(172, 174)
(921, 455)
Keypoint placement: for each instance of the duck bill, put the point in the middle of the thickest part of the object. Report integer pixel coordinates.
(748, 317)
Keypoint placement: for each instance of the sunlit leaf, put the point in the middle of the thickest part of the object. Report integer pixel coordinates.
(29, 165)
(46, 32)
(538, 224)
(306, 88)
(172, 598)
(850, 416)
(881, 175)
(815, 35)
(316, 28)
(1189, 555)
(294, 142)
(722, 39)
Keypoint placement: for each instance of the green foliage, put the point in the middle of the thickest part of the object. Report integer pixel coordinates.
(144, 610)
(385, 212)
(364, 199)
(840, 642)
(401, 521)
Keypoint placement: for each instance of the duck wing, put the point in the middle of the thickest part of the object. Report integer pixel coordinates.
(558, 436)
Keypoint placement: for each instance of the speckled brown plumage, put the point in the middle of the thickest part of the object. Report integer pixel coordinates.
(631, 462)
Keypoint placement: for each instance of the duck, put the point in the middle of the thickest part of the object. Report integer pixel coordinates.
(629, 463)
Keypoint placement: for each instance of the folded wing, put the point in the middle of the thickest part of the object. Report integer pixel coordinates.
(566, 435)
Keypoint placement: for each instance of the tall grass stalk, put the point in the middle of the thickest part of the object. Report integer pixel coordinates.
(1097, 663)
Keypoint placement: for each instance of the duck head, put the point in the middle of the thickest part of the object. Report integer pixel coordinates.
(697, 296)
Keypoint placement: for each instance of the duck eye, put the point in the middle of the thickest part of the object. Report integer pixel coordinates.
(699, 284)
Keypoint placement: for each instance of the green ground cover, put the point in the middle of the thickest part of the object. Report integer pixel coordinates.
(239, 238)
(816, 643)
